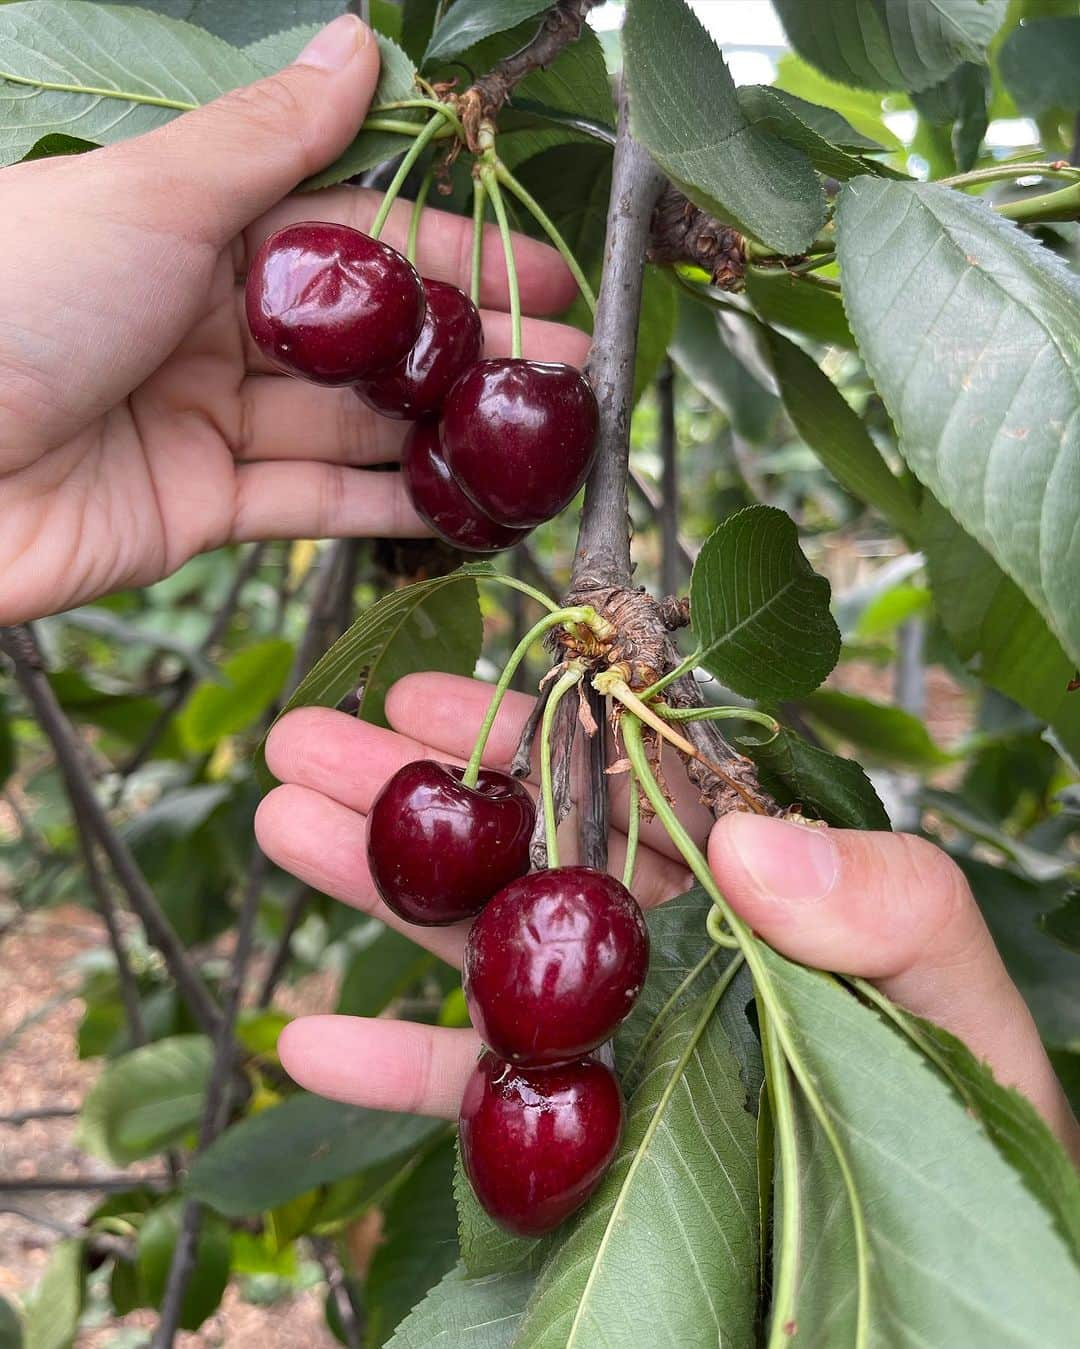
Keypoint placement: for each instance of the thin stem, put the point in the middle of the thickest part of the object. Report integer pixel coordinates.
(568, 680)
(417, 212)
(714, 926)
(491, 183)
(514, 583)
(404, 128)
(686, 666)
(479, 202)
(433, 103)
(404, 169)
(1062, 205)
(550, 229)
(720, 714)
(997, 173)
(633, 831)
(778, 1083)
(578, 614)
(144, 100)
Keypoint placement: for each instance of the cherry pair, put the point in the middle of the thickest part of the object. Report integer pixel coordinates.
(516, 438)
(553, 964)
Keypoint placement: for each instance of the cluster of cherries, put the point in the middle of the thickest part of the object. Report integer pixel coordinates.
(553, 963)
(498, 445)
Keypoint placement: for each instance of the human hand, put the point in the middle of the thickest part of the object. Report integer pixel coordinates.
(138, 424)
(890, 907)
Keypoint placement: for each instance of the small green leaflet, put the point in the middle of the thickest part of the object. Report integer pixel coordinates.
(684, 108)
(968, 328)
(759, 611)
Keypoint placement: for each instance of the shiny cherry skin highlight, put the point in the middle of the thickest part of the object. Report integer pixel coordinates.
(439, 850)
(554, 963)
(332, 305)
(535, 1142)
(520, 437)
(449, 342)
(441, 503)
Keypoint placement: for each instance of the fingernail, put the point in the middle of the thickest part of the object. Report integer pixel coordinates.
(794, 862)
(336, 45)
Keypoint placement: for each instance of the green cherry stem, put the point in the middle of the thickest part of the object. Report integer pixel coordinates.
(512, 583)
(548, 226)
(479, 202)
(684, 667)
(997, 173)
(633, 831)
(583, 613)
(489, 178)
(680, 714)
(417, 212)
(443, 109)
(569, 679)
(404, 169)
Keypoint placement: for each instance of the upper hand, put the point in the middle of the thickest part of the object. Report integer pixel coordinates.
(890, 907)
(138, 424)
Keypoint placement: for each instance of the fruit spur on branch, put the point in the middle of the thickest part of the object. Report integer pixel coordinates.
(497, 446)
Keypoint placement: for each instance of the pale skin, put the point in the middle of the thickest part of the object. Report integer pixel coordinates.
(138, 428)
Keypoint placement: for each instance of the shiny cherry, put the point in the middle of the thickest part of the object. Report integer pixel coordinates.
(520, 437)
(331, 305)
(535, 1142)
(439, 850)
(441, 503)
(554, 964)
(449, 342)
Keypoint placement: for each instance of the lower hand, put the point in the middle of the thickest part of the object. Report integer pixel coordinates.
(889, 907)
(138, 424)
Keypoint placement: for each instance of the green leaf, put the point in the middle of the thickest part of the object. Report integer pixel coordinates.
(1013, 1124)
(344, 666)
(781, 115)
(759, 612)
(210, 1274)
(1039, 62)
(244, 23)
(52, 1320)
(380, 972)
(785, 301)
(417, 22)
(487, 1248)
(961, 102)
(829, 123)
(836, 434)
(142, 67)
(253, 679)
(50, 147)
(1046, 974)
(441, 632)
(824, 785)
(397, 81)
(147, 1099)
(684, 108)
(241, 1173)
(670, 1240)
(470, 21)
(11, 1336)
(993, 624)
(893, 607)
(881, 732)
(891, 44)
(464, 1313)
(419, 1243)
(949, 1246)
(1063, 923)
(702, 348)
(968, 329)
(862, 110)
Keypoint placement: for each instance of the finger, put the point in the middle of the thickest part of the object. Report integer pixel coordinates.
(444, 247)
(301, 500)
(325, 845)
(380, 1064)
(218, 167)
(894, 909)
(289, 419)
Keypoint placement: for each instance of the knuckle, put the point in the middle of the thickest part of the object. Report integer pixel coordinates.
(946, 907)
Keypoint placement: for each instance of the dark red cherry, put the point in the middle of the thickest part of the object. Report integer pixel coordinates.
(535, 1142)
(449, 342)
(520, 437)
(439, 850)
(329, 304)
(554, 963)
(441, 503)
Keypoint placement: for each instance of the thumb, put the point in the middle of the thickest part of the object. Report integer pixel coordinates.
(234, 158)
